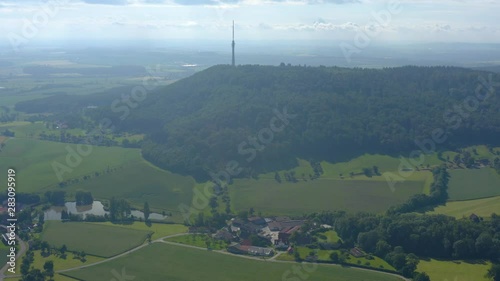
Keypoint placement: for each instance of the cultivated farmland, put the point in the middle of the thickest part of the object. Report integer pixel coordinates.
(454, 270)
(298, 198)
(33, 160)
(159, 229)
(481, 207)
(94, 239)
(171, 262)
(131, 177)
(473, 184)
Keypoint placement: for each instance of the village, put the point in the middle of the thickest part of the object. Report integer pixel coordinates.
(266, 236)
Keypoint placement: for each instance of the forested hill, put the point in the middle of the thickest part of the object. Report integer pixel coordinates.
(197, 124)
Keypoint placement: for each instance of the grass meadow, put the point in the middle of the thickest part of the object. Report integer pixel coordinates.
(134, 178)
(161, 262)
(271, 197)
(481, 207)
(159, 229)
(139, 182)
(454, 270)
(97, 240)
(473, 184)
(4, 251)
(33, 161)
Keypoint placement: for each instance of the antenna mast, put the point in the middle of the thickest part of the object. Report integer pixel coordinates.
(233, 44)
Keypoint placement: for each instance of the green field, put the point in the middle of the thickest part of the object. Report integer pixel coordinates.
(473, 184)
(33, 161)
(170, 262)
(334, 190)
(97, 240)
(271, 197)
(134, 178)
(454, 270)
(4, 250)
(139, 182)
(159, 229)
(481, 207)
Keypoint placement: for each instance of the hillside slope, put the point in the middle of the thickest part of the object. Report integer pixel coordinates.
(200, 123)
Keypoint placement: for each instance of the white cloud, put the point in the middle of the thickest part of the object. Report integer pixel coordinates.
(420, 20)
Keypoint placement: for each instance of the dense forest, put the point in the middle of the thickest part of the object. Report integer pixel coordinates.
(436, 236)
(265, 117)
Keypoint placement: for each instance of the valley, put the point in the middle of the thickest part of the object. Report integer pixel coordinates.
(326, 189)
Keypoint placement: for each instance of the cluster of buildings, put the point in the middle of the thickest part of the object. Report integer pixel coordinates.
(276, 230)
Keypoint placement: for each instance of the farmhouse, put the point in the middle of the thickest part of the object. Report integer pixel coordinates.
(284, 235)
(257, 221)
(277, 230)
(250, 250)
(224, 235)
(357, 252)
(274, 226)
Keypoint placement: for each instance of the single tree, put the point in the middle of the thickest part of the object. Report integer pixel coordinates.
(334, 257)
(48, 268)
(147, 211)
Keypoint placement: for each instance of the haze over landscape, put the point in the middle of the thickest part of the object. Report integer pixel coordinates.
(347, 140)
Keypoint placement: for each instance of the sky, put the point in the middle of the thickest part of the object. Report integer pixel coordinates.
(352, 21)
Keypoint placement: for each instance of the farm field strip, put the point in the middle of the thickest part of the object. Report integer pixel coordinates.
(467, 184)
(97, 240)
(481, 207)
(454, 270)
(298, 198)
(173, 262)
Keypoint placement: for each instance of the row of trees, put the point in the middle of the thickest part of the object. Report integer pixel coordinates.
(103, 140)
(438, 194)
(58, 197)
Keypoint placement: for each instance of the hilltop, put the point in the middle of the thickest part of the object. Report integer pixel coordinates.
(226, 113)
